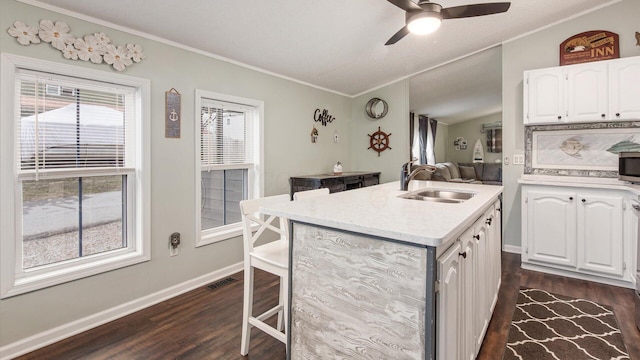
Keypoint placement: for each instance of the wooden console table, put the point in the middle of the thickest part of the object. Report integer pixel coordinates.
(335, 183)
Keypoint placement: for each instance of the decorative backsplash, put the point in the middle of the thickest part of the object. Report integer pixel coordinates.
(586, 150)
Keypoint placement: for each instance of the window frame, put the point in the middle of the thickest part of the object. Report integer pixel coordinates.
(13, 279)
(255, 176)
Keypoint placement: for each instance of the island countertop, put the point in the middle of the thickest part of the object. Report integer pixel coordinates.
(378, 211)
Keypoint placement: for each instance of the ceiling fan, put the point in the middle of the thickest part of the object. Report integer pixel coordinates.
(425, 16)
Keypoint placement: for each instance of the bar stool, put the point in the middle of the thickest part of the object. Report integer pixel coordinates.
(272, 257)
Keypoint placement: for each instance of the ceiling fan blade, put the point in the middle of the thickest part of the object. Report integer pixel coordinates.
(472, 10)
(406, 5)
(397, 36)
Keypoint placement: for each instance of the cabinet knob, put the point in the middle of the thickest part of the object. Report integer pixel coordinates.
(603, 116)
(559, 117)
(584, 200)
(617, 114)
(570, 197)
(488, 221)
(477, 237)
(463, 254)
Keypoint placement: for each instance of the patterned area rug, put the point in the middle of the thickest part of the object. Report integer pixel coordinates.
(548, 326)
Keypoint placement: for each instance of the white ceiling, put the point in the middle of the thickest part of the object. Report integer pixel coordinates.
(337, 45)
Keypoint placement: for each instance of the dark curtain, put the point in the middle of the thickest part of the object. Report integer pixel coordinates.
(412, 121)
(423, 122)
(434, 126)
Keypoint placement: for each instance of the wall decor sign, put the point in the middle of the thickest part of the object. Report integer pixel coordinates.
(590, 46)
(172, 114)
(323, 117)
(95, 47)
(587, 150)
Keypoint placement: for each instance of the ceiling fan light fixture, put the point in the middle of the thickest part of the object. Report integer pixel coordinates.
(424, 22)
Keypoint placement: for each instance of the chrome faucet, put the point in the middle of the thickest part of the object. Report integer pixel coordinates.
(406, 175)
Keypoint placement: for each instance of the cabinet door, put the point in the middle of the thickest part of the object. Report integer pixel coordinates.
(468, 336)
(544, 98)
(482, 289)
(587, 92)
(495, 254)
(624, 89)
(550, 227)
(600, 234)
(449, 307)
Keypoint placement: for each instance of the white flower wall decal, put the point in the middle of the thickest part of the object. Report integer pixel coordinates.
(57, 34)
(135, 52)
(24, 33)
(118, 57)
(89, 49)
(70, 52)
(96, 47)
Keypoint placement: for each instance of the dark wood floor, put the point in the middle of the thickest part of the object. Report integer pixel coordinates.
(205, 324)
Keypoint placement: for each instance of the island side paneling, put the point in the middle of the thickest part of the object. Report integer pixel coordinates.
(346, 283)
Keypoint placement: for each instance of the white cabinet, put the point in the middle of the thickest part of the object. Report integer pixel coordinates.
(450, 297)
(587, 92)
(600, 230)
(467, 289)
(576, 230)
(551, 227)
(597, 91)
(544, 96)
(624, 88)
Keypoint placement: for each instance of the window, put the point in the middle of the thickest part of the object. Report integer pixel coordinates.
(73, 199)
(228, 162)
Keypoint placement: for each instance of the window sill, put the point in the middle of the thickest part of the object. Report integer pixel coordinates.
(219, 234)
(47, 276)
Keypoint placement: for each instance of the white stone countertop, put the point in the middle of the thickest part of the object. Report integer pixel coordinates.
(581, 182)
(377, 210)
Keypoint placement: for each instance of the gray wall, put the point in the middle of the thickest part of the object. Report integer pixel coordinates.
(442, 137)
(395, 122)
(540, 50)
(289, 109)
(470, 130)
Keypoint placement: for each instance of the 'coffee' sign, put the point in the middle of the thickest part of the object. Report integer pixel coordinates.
(589, 46)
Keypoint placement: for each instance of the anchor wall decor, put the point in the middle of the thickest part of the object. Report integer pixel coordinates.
(172, 114)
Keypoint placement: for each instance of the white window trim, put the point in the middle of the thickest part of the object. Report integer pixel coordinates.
(256, 173)
(13, 280)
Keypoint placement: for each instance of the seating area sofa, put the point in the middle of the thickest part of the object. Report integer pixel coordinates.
(476, 173)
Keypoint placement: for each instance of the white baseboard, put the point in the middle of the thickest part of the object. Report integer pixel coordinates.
(512, 249)
(51, 336)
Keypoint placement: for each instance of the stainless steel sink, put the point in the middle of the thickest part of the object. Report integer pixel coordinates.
(441, 196)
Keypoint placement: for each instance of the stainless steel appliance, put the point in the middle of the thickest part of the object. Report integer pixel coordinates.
(636, 207)
(629, 166)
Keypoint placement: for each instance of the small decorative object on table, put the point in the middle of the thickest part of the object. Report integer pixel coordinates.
(337, 168)
(314, 135)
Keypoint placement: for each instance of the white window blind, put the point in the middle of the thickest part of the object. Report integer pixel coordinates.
(224, 135)
(68, 124)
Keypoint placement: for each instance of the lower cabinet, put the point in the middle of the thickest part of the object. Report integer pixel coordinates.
(578, 230)
(469, 280)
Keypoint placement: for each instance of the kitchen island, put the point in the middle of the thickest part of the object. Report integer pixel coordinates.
(374, 275)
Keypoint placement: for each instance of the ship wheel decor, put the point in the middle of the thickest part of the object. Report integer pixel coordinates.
(379, 141)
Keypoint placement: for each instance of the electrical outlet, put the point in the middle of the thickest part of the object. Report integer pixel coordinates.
(174, 241)
(518, 159)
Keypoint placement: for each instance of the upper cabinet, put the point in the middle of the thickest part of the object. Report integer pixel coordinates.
(597, 91)
(624, 89)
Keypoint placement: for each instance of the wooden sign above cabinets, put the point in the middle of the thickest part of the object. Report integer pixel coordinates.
(589, 46)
